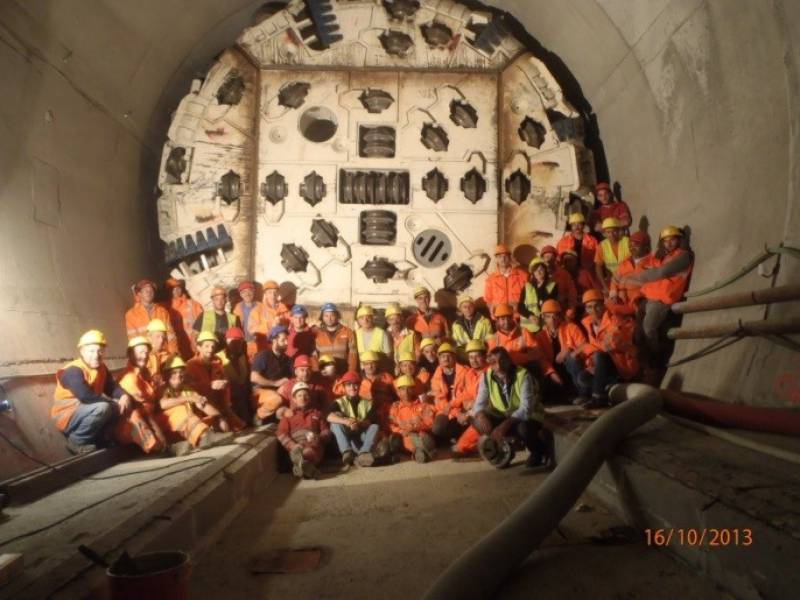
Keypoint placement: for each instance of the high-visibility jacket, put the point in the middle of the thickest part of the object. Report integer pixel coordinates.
(670, 289)
(183, 421)
(567, 291)
(444, 395)
(183, 313)
(138, 427)
(505, 289)
(614, 335)
(588, 248)
(504, 407)
(522, 347)
(468, 393)
(64, 401)
(138, 317)
(138, 383)
(340, 345)
(238, 310)
(533, 302)
(209, 322)
(261, 321)
(154, 363)
(413, 416)
(377, 343)
(570, 337)
(629, 293)
(616, 209)
(200, 374)
(425, 325)
(464, 332)
(363, 409)
(405, 340)
(610, 257)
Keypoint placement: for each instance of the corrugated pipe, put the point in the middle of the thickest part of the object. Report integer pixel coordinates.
(481, 570)
(737, 328)
(785, 293)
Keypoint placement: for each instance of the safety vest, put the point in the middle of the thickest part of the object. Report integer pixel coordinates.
(375, 342)
(505, 407)
(481, 331)
(64, 401)
(611, 260)
(533, 303)
(670, 289)
(209, 322)
(362, 409)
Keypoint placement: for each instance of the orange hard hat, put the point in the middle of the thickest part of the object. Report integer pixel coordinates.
(503, 310)
(270, 285)
(218, 290)
(172, 282)
(501, 249)
(592, 295)
(551, 306)
(144, 283)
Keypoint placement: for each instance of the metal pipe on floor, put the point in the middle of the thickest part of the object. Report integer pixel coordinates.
(750, 328)
(481, 570)
(785, 293)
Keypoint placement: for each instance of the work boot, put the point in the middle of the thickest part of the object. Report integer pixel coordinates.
(348, 457)
(365, 459)
(212, 438)
(180, 448)
(80, 449)
(381, 450)
(298, 464)
(309, 470)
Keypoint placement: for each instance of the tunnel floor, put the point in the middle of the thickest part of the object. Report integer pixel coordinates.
(389, 531)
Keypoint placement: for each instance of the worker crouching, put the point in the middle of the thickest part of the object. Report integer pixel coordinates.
(354, 423)
(303, 431)
(410, 421)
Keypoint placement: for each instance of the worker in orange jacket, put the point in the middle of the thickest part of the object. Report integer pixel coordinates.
(335, 339)
(610, 353)
(476, 355)
(565, 284)
(407, 365)
(303, 432)
(87, 400)
(609, 206)
(188, 418)
(205, 374)
(584, 279)
(159, 353)
(377, 386)
(561, 343)
(623, 299)
(505, 285)
(579, 241)
(447, 387)
(425, 319)
(138, 425)
(236, 368)
(145, 310)
(243, 310)
(272, 312)
(520, 343)
(183, 313)
(411, 421)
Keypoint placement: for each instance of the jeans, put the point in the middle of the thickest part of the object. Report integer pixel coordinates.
(605, 374)
(575, 366)
(89, 421)
(360, 441)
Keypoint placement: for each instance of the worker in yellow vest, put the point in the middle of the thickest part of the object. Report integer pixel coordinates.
(404, 339)
(611, 251)
(369, 337)
(470, 324)
(216, 319)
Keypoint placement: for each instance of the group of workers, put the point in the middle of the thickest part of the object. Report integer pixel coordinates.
(586, 314)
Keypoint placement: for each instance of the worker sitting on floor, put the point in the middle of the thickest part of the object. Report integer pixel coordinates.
(354, 423)
(624, 297)
(410, 421)
(87, 400)
(236, 368)
(205, 374)
(271, 369)
(302, 339)
(447, 388)
(304, 431)
(428, 360)
(425, 319)
(476, 355)
(145, 310)
(272, 312)
(404, 338)
(303, 373)
(539, 289)
(509, 405)
(561, 343)
(371, 338)
(243, 310)
(183, 313)
(609, 206)
(159, 354)
(138, 424)
(567, 290)
(216, 319)
(610, 351)
(470, 324)
(581, 243)
(610, 252)
(505, 285)
(335, 339)
(189, 419)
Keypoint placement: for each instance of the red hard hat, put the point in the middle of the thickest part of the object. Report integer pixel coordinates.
(234, 333)
(246, 285)
(547, 249)
(350, 377)
(640, 237)
(603, 185)
(301, 360)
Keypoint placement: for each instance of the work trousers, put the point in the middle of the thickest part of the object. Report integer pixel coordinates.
(359, 441)
(597, 383)
(529, 432)
(89, 422)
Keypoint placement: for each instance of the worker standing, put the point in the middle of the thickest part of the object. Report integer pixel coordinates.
(426, 319)
(243, 310)
(538, 290)
(369, 337)
(302, 339)
(271, 369)
(87, 400)
(404, 338)
(410, 421)
(609, 206)
(145, 310)
(580, 242)
(505, 285)
(216, 319)
(567, 290)
(611, 252)
(470, 324)
(183, 313)
(272, 312)
(303, 432)
(335, 339)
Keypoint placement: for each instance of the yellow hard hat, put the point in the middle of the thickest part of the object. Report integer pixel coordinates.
(577, 217)
(475, 346)
(139, 340)
(421, 291)
(404, 381)
(426, 342)
(364, 310)
(93, 336)
(611, 223)
(326, 359)
(368, 356)
(446, 347)
(465, 298)
(156, 325)
(669, 231)
(392, 309)
(536, 261)
(206, 336)
(173, 362)
(406, 357)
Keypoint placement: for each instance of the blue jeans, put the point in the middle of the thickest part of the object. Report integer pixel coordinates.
(89, 421)
(356, 441)
(574, 367)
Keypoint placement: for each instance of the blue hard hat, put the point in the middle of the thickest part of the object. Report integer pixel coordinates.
(299, 309)
(277, 330)
(329, 307)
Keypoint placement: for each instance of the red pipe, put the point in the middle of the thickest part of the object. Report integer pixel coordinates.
(740, 416)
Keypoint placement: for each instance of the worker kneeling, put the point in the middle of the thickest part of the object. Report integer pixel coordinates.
(354, 423)
(508, 406)
(303, 432)
(188, 418)
(411, 420)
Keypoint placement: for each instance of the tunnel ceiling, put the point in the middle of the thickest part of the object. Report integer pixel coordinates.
(360, 149)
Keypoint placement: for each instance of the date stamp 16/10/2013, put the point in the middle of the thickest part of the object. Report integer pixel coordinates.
(700, 537)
